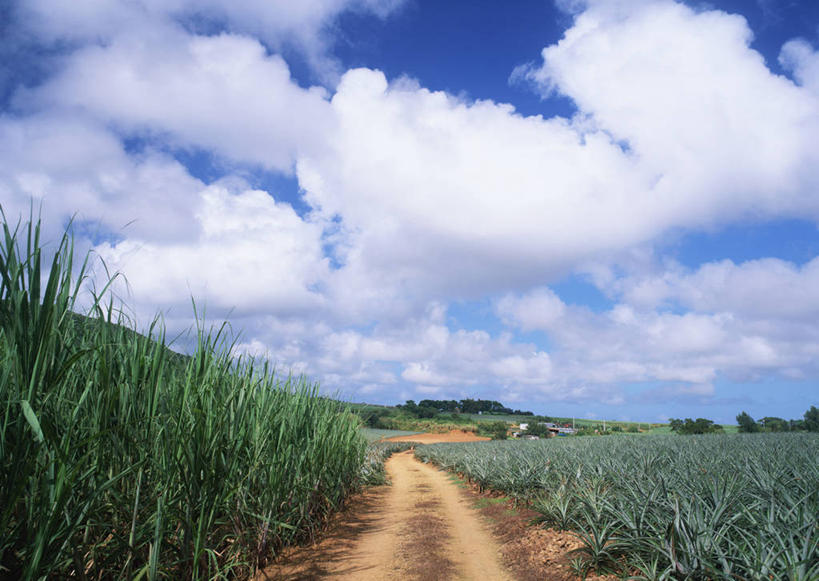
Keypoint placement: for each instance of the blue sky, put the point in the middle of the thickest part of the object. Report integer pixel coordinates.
(600, 208)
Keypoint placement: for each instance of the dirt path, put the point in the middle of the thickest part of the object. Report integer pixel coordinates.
(433, 438)
(420, 528)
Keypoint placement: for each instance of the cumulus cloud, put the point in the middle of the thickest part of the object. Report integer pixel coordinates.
(680, 125)
(223, 94)
(250, 256)
(303, 25)
(76, 167)
(799, 57)
(743, 322)
(763, 288)
(425, 356)
(453, 196)
(419, 198)
(723, 136)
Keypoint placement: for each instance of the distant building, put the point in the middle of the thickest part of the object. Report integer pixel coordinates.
(553, 428)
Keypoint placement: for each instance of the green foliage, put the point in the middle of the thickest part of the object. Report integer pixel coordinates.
(495, 430)
(774, 424)
(698, 426)
(430, 407)
(372, 416)
(812, 419)
(705, 507)
(373, 471)
(120, 459)
(747, 425)
(539, 429)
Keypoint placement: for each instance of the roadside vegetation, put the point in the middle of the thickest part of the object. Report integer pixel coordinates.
(122, 459)
(374, 471)
(663, 507)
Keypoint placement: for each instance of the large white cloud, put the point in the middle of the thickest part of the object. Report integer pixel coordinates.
(680, 125)
(468, 197)
(799, 56)
(724, 137)
(223, 94)
(756, 289)
(75, 167)
(421, 357)
(723, 320)
(305, 25)
(424, 197)
(250, 256)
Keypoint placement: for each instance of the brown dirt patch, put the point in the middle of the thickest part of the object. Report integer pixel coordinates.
(329, 553)
(452, 436)
(530, 552)
(424, 549)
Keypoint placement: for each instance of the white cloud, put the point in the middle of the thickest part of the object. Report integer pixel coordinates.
(681, 126)
(304, 25)
(250, 256)
(425, 197)
(756, 289)
(421, 373)
(76, 167)
(539, 309)
(223, 94)
(723, 136)
(799, 57)
(449, 196)
(420, 357)
(742, 322)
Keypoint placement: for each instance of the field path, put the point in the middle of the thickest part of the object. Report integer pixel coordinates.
(420, 528)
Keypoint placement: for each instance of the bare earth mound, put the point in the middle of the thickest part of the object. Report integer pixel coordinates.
(453, 436)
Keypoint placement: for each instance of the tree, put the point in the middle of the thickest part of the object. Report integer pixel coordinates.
(774, 424)
(698, 426)
(497, 430)
(796, 425)
(812, 419)
(746, 423)
(539, 429)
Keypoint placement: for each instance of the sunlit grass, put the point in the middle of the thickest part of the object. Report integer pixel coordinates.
(121, 459)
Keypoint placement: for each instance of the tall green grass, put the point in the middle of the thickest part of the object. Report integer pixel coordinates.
(121, 459)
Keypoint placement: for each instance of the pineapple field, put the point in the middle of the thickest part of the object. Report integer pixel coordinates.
(664, 507)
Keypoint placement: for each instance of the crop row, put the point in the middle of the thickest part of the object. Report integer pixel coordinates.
(373, 470)
(665, 507)
(122, 459)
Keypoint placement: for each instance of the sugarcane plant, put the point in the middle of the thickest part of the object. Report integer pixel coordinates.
(122, 458)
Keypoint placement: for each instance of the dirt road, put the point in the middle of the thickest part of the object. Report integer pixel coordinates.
(432, 438)
(420, 528)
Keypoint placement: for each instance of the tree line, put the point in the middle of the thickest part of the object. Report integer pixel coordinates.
(809, 422)
(747, 425)
(428, 408)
